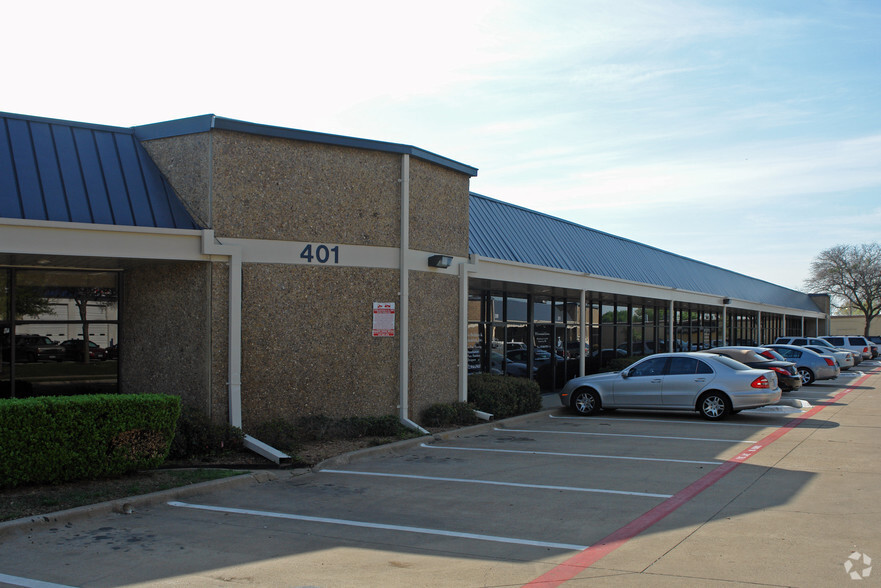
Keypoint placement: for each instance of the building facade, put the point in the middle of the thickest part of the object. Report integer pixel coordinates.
(263, 272)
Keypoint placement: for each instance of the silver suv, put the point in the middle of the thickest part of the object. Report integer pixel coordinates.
(852, 342)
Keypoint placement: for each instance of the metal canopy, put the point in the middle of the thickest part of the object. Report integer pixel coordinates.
(499, 230)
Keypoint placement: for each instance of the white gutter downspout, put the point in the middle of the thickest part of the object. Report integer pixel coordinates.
(404, 367)
(210, 246)
(670, 328)
(724, 324)
(583, 338)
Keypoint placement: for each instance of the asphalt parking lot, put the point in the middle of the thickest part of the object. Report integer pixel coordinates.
(777, 496)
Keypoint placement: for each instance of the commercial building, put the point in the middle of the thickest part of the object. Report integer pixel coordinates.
(263, 272)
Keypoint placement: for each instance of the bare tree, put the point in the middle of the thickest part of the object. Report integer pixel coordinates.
(852, 274)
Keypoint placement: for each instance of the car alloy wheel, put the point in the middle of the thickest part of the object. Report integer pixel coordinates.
(585, 402)
(806, 375)
(714, 406)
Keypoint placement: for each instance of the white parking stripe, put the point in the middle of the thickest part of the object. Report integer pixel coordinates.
(623, 435)
(348, 523)
(494, 483)
(594, 418)
(554, 453)
(28, 583)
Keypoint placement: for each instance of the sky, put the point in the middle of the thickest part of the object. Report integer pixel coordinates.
(742, 133)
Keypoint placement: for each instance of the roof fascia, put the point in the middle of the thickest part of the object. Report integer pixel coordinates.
(204, 123)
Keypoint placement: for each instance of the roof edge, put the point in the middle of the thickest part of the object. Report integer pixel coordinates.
(207, 122)
(71, 123)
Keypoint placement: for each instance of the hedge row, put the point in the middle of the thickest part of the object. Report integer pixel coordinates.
(503, 396)
(58, 439)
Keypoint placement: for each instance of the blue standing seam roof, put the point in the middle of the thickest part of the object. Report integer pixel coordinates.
(64, 171)
(498, 230)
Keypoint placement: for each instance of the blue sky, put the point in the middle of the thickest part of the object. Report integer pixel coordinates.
(746, 134)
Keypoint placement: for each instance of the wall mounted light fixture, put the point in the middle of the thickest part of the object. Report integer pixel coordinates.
(440, 261)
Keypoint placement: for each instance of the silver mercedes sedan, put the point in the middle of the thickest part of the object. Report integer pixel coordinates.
(713, 385)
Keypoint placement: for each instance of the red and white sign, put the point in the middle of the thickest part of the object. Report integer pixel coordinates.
(383, 319)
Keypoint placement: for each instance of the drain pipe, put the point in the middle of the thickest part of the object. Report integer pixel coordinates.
(404, 360)
(211, 246)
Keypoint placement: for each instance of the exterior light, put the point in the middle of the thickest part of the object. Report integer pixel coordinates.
(726, 301)
(440, 261)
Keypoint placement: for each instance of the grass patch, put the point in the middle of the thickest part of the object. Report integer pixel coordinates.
(30, 501)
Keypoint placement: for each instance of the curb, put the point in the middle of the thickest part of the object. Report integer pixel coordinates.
(399, 447)
(125, 506)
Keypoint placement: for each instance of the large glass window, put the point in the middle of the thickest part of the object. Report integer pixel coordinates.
(59, 332)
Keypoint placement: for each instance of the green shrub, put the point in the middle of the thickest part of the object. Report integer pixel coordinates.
(197, 436)
(503, 396)
(58, 439)
(449, 415)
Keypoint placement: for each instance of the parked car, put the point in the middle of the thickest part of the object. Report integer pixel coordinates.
(714, 385)
(35, 348)
(844, 358)
(112, 351)
(802, 341)
(811, 365)
(73, 350)
(787, 374)
(852, 342)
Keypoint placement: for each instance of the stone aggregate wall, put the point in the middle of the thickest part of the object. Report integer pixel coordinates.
(434, 340)
(282, 189)
(308, 344)
(165, 344)
(438, 209)
(185, 162)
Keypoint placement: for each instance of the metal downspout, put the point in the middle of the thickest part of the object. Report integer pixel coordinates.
(670, 318)
(210, 246)
(404, 362)
(724, 325)
(583, 338)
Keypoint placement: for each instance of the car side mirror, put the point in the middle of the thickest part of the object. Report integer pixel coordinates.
(625, 374)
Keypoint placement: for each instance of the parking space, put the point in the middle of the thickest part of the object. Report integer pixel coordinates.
(541, 497)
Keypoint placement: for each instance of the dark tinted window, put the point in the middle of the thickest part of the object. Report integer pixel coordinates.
(856, 340)
(649, 367)
(799, 342)
(683, 365)
(837, 341)
(703, 368)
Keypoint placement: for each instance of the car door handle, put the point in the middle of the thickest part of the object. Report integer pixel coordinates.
(700, 379)
(656, 381)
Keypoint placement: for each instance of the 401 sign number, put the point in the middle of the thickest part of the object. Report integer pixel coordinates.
(321, 253)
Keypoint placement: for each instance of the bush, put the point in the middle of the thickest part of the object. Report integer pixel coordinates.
(285, 434)
(449, 415)
(58, 439)
(503, 396)
(197, 436)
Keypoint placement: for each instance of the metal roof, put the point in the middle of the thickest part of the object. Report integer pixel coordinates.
(65, 171)
(499, 230)
(206, 122)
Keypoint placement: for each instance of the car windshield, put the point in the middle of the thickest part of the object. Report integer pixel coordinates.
(733, 364)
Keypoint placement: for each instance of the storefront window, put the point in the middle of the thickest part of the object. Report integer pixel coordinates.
(62, 337)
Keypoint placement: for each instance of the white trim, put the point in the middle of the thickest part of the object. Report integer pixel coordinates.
(45, 238)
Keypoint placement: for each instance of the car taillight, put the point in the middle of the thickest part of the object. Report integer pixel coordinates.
(865, 349)
(830, 361)
(781, 370)
(761, 382)
(767, 354)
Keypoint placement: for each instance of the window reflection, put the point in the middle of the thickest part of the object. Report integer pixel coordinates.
(62, 337)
